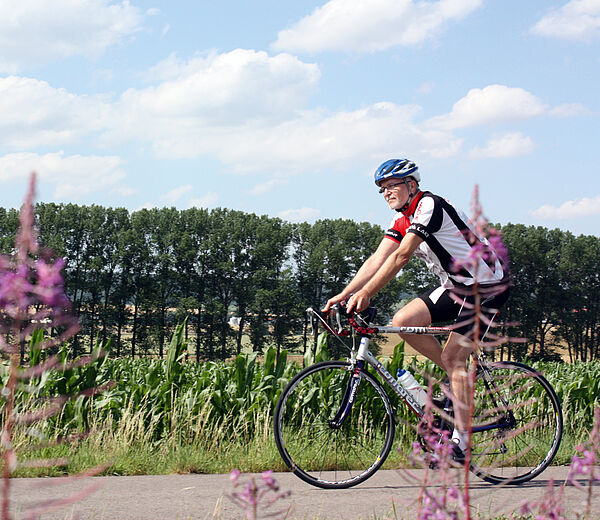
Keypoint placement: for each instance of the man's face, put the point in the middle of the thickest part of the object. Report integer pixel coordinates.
(395, 192)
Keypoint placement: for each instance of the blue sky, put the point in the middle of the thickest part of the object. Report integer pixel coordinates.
(286, 108)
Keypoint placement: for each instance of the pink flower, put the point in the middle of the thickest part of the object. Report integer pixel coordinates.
(234, 475)
(249, 494)
(32, 292)
(525, 508)
(268, 479)
(49, 285)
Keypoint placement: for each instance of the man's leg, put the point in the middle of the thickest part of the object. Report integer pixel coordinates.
(416, 314)
(454, 357)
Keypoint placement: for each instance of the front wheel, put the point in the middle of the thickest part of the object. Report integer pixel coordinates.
(330, 456)
(517, 424)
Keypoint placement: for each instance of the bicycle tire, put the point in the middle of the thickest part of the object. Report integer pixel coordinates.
(521, 451)
(327, 457)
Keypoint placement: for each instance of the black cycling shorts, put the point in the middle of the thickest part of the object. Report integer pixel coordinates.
(444, 309)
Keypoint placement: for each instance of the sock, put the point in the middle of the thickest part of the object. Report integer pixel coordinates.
(461, 438)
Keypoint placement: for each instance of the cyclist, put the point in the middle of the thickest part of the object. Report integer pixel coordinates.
(433, 230)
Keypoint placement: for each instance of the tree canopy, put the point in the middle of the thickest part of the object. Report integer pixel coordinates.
(243, 279)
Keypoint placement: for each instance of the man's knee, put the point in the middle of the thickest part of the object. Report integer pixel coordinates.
(413, 314)
(400, 320)
(456, 352)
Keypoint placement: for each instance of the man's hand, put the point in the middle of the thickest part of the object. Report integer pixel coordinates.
(359, 301)
(333, 300)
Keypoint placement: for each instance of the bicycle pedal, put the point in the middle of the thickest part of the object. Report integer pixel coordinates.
(441, 402)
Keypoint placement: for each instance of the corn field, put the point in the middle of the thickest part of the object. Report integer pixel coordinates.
(153, 401)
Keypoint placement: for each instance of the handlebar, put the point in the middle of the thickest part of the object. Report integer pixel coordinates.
(361, 322)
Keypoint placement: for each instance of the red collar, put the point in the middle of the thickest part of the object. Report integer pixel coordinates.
(413, 205)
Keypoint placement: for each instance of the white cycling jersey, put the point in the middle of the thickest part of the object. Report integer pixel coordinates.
(447, 237)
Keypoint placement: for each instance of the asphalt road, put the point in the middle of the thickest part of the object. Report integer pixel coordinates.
(388, 494)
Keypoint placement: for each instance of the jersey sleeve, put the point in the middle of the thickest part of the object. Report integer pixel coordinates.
(427, 219)
(397, 229)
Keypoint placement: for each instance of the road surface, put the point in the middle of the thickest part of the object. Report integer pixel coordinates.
(204, 497)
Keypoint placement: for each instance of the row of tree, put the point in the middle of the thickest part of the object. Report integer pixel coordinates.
(133, 275)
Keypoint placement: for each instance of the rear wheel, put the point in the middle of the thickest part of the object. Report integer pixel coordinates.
(324, 455)
(517, 424)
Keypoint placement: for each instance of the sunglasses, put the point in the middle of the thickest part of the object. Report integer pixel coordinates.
(390, 187)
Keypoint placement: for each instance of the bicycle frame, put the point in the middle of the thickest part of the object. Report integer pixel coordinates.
(363, 355)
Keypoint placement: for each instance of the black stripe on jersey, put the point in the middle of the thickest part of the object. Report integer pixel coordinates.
(394, 234)
(459, 223)
(421, 230)
(435, 221)
(446, 259)
(437, 217)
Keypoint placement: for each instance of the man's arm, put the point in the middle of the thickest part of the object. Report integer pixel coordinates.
(366, 272)
(394, 262)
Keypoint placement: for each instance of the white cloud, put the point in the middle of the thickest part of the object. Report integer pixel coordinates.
(426, 88)
(146, 205)
(318, 141)
(124, 191)
(267, 186)
(576, 20)
(175, 194)
(212, 98)
(569, 110)
(489, 105)
(73, 176)
(508, 145)
(35, 114)
(299, 215)
(33, 32)
(246, 108)
(356, 25)
(228, 88)
(585, 207)
(243, 107)
(207, 201)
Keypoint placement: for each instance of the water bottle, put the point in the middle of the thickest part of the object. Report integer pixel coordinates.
(407, 380)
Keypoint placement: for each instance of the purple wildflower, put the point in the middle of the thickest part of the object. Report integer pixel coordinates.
(584, 462)
(31, 298)
(269, 480)
(258, 497)
(31, 287)
(440, 497)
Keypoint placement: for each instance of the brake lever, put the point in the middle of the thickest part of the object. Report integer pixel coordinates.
(338, 320)
(317, 317)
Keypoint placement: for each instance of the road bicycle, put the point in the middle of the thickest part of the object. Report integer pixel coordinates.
(335, 423)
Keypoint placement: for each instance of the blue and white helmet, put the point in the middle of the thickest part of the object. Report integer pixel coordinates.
(397, 168)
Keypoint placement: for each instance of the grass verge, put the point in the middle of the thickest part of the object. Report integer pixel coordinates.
(219, 454)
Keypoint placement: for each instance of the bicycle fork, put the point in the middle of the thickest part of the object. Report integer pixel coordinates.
(349, 396)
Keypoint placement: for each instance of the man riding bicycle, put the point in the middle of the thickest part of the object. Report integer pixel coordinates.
(429, 227)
